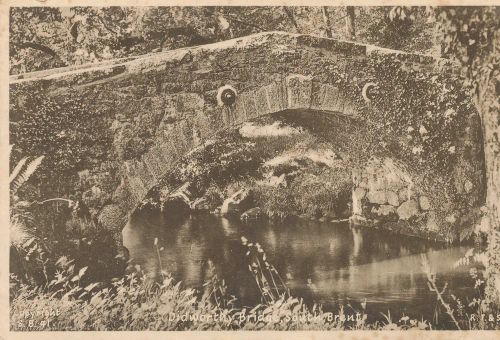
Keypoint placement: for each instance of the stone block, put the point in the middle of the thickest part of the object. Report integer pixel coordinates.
(236, 113)
(317, 94)
(112, 217)
(262, 102)
(364, 182)
(359, 193)
(377, 197)
(168, 152)
(357, 196)
(331, 101)
(145, 175)
(408, 209)
(189, 102)
(277, 96)
(392, 198)
(137, 188)
(299, 90)
(248, 102)
(186, 136)
(393, 181)
(349, 108)
(357, 175)
(386, 211)
(406, 194)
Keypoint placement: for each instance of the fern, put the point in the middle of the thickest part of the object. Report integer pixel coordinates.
(18, 168)
(21, 177)
(19, 215)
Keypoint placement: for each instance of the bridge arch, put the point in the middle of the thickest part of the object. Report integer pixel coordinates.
(294, 93)
(158, 107)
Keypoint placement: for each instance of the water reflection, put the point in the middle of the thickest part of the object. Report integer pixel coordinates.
(327, 263)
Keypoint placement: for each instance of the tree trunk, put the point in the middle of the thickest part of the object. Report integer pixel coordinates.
(349, 23)
(291, 17)
(490, 115)
(326, 21)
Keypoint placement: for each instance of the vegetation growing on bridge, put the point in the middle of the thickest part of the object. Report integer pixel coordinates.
(86, 126)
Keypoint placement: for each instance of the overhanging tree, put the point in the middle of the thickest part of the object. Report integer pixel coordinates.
(471, 36)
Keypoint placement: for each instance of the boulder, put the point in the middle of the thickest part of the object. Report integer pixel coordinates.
(251, 215)
(377, 197)
(432, 221)
(278, 181)
(357, 204)
(384, 210)
(178, 202)
(408, 209)
(238, 202)
(425, 204)
(392, 198)
(405, 194)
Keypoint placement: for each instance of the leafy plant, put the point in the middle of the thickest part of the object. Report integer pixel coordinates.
(19, 213)
(271, 286)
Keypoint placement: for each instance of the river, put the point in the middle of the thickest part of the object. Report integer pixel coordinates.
(328, 263)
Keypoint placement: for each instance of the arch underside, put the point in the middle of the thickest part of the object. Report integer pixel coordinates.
(296, 94)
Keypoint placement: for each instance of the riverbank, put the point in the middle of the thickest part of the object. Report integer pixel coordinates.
(269, 170)
(135, 302)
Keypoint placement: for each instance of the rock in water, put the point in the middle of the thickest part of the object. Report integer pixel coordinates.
(179, 201)
(408, 209)
(251, 215)
(238, 202)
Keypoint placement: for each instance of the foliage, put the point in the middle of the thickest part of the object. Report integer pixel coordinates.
(34, 246)
(60, 130)
(271, 286)
(64, 131)
(310, 195)
(399, 27)
(218, 162)
(473, 313)
(45, 37)
(25, 247)
(469, 35)
(134, 302)
(20, 216)
(312, 190)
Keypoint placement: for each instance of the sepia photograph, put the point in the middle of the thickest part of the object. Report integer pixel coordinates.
(252, 168)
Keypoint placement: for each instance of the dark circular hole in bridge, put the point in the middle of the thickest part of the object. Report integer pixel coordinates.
(228, 97)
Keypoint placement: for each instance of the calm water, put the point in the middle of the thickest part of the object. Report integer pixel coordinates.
(327, 263)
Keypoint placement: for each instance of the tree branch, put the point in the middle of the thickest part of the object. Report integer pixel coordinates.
(326, 20)
(261, 29)
(38, 47)
(291, 17)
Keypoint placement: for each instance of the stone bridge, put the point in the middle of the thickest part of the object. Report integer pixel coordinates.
(402, 118)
